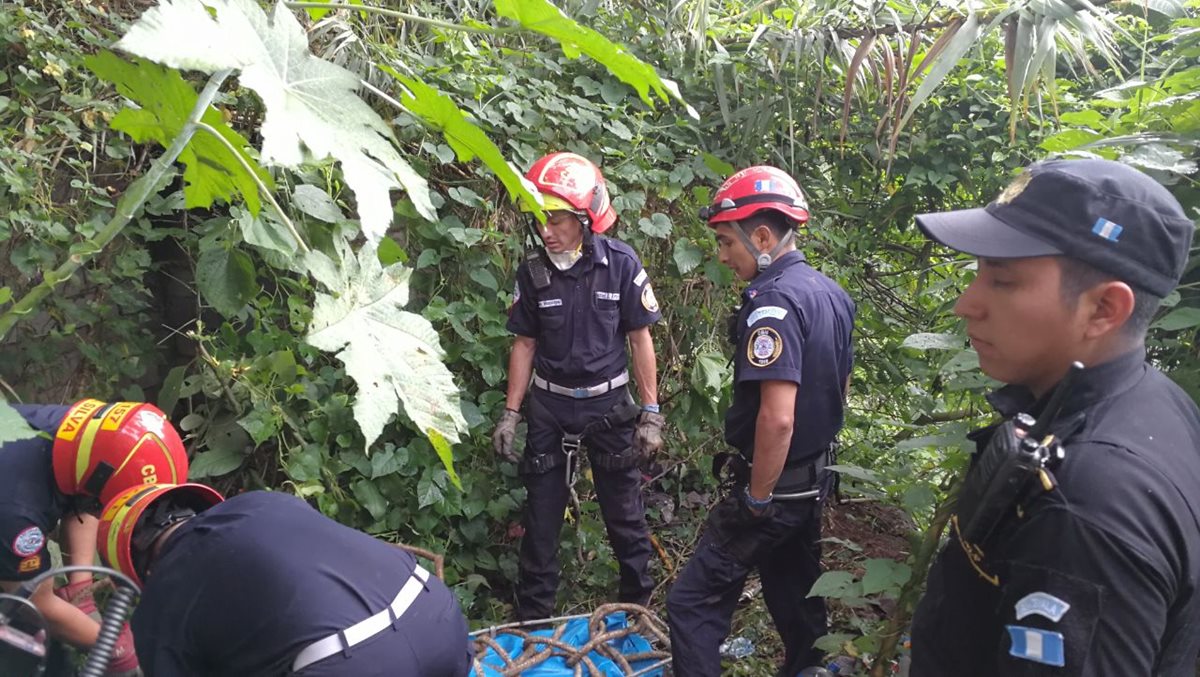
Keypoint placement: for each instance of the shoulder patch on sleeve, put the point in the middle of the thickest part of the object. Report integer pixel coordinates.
(641, 277)
(516, 292)
(1037, 645)
(764, 347)
(29, 542)
(1042, 604)
(30, 564)
(774, 312)
(649, 301)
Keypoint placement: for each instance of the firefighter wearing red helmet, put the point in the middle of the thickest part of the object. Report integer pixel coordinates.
(792, 360)
(92, 451)
(262, 584)
(579, 298)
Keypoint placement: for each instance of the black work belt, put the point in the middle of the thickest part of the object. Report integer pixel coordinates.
(798, 481)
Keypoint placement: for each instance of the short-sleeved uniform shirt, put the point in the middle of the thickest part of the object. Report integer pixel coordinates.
(1100, 577)
(243, 587)
(581, 319)
(795, 325)
(30, 503)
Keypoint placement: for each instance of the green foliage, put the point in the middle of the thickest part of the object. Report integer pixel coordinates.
(13, 427)
(166, 100)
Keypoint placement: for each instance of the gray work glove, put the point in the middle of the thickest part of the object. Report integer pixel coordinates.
(504, 434)
(647, 435)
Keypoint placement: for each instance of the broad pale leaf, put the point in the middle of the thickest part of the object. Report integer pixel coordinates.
(963, 39)
(468, 141)
(393, 355)
(165, 100)
(1180, 318)
(13, 427)
(542, 17)
(927, 341)
(312, 110)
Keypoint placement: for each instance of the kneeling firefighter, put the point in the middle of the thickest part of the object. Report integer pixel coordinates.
(263, 584)
(52, 486)
(579, 297)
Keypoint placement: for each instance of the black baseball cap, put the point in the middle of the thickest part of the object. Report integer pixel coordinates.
(1104, 213)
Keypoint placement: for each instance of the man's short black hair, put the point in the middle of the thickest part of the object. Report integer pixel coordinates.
(1078, 277)
(779, 223)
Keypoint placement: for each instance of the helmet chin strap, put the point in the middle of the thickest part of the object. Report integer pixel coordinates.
(763, 259)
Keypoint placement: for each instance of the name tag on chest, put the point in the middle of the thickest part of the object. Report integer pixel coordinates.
(608, 295)
(549, 303)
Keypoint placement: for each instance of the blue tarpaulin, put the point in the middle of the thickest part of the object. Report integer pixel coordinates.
(576, 634)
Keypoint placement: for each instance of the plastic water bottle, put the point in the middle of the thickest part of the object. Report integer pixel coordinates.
(738, 647)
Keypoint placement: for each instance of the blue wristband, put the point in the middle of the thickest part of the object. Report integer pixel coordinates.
(755, 503)
(652, 408)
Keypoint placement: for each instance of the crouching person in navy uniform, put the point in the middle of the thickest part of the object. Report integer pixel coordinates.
(578, 299)
(791, 369)
(1093, 568)
(262, 584)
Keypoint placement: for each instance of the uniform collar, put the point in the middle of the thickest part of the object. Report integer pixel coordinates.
(777, 266)
(597, 257)
(1091, 386)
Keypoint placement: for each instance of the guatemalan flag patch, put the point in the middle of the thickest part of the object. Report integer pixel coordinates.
(1107, 229)
(1039, 646)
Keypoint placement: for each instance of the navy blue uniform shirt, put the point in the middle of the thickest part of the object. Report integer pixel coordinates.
(30, 503)
(1100, 577)
(794, 325)
(581, 319)
(244, 586)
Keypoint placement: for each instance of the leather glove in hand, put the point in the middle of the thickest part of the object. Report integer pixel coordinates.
(647, 435)
(505, 433)
(739, 531)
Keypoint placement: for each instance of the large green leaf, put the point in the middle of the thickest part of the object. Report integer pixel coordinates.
(312, 110)
(542, 17)
(13, 427)
(467, 140)
(165, 100)
(393, 355)
(226, 279)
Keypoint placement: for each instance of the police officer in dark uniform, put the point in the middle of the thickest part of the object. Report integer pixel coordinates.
(792, 367)
(263, 585)
(1093, 567)
(93, 450)
(577, 301)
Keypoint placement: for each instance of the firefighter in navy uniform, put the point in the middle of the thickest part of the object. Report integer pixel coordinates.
(1094, 567)
(578, 299)
(792, 366)
(264, 585)
(93, 451)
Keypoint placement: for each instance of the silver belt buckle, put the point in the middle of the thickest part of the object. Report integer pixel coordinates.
(582, 393)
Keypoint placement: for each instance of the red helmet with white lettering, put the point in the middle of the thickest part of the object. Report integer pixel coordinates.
(101, 449)
(754, 189)
(571, 182)
(137, 516)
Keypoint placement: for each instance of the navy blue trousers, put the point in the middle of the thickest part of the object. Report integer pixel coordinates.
(429, 640)
(700, 605)
(619, 493)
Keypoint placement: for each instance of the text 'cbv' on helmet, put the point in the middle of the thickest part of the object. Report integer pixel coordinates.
(571, 182)
(136, 517)
(101, 449)
(752, 190)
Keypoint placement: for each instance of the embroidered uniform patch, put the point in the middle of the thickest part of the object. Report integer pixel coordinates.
(549, 303)
(764, 347)
(30, 564)
(1015, 188)
(1107, 229)
(516, 292)
(641, 277)
(649, 302)
(1039, 646)
(774, 312)
(29, 542)
(608, 295)
(1042, 604)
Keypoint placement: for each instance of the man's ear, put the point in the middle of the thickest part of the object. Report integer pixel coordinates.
(763, 238)
(1109, 306)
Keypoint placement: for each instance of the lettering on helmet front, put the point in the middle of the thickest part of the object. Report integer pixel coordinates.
(75, 418)
(149, 474)
(116, 415)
